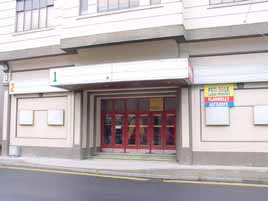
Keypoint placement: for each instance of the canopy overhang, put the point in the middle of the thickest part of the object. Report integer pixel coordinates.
(163, 72)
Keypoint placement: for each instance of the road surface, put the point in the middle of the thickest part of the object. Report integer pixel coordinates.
(27, 185)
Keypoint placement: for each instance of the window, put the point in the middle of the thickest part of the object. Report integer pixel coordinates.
(112, 5)
(215, 2)
(84, 7)
(34, 14)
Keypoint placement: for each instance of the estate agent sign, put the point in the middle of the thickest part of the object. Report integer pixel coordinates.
(219, 95)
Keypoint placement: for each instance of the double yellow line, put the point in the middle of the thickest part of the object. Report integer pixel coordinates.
(73, 173)
(230, 184)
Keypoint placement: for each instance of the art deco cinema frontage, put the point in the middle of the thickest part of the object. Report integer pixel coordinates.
(126, 108)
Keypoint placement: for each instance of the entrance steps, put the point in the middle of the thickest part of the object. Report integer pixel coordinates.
(131, 156)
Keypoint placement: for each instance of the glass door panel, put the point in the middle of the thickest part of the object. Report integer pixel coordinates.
(143, 130)
(119, 129)
(131, 129)
(108, 129)
(157, 129)
(170, 129)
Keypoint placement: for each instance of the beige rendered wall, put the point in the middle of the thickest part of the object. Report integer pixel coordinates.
(149, 50)
(40, 134)
(241, 135)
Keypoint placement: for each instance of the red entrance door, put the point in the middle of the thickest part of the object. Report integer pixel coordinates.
(128, 124)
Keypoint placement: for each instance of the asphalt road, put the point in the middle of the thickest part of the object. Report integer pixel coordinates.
(20, 185)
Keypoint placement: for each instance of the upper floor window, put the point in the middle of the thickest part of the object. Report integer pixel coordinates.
(34, 14)
(214, 2)
(112, 5)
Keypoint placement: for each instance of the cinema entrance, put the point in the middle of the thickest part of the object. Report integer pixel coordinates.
(143, 125)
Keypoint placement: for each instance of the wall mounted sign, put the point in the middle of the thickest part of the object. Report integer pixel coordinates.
(55, 117)
(26, 87)
(26, 117)
(219, 95)
(156, 104)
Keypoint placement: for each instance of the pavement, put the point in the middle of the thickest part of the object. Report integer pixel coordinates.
(161, 170)
(25, 185)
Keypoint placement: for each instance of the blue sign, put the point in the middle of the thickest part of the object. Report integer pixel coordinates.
(219, 104)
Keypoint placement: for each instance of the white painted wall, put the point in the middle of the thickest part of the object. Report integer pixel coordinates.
(9, 40)
(231, 68)
(169, 12)
(199, 14)
(68, 23)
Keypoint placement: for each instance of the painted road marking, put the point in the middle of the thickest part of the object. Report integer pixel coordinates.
(217, 183)
(134, 178)
(73, 173)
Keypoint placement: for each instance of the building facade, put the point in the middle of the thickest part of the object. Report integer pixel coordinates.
(137, 76)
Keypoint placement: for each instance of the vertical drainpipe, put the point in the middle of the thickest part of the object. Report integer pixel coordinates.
(6, 110)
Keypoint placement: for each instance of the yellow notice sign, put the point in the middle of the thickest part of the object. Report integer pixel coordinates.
(219, 95)
(217, 90)
(156, 104)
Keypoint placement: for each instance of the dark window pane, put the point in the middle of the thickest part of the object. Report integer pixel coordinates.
(35, 4)
(35, 19)
(113, 5)
(143, 129)
(170, 104)
(27, 22)
(20, 5)
(171, 119)
(144, 120)
(50, 2)
(132, 105)
(108, 129)
(144, 105)
(143, 135)
(157, 136)
(134, 3)
(50, 16)
(157, 127)
(43, 3)
(43, 18)
(154, 2)
(84, 7)
(119, 105)
(170, 135)
(28, 4)
(107, 106)
(20, 20)
(131, 129)
(157, 120)
(103, 5)
(118, 129)
(123, 4)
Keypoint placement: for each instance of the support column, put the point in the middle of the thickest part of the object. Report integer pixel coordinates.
(79, 152)
(91, 124)
(6, 124)
(184, 150)
(84, 125)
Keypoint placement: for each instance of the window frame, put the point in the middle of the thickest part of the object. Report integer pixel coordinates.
(108, 10)
(47, 5)
(118, 6)
(224, 3)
